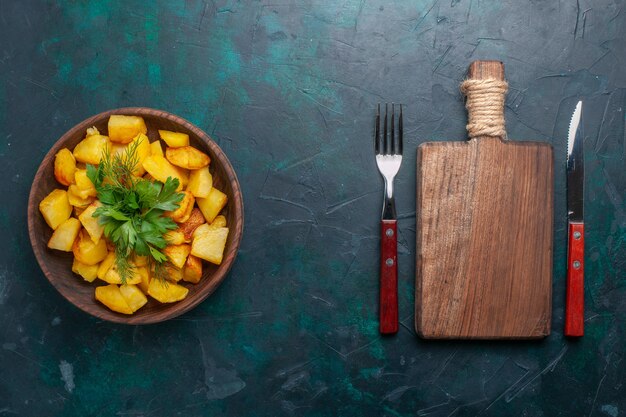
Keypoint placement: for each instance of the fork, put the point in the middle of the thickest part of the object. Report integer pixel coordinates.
(388, 159)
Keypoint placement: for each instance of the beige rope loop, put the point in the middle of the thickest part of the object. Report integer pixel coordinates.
(485, 107)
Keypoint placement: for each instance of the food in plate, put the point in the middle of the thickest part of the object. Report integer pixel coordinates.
(138, 217)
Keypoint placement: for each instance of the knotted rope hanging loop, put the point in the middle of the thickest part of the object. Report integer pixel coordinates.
(485, 107)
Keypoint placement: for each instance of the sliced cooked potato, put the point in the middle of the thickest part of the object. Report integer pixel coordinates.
(213, 204)
(64, 166)
(133, 296)
(173, 273)
(123, 129)
(105, 265)
(174, 237)
(177, 254)
(91, 149)
(209, 244)
(187, 157)
(202, 229)
(160, 169)
(84, 184)
(183, 212)
(92, 131)
(220, 221)
(188, 227)
(78, 198)
(200, 182)
(113, 276)
(64, 235)
(55, 208)
(192, 271)
(166, 292)
(90, 223)
(139, 260)
(143, 151)
(118, 149)
(156, 149)
(88, 252)
(110, 296)
(174, 139)
(88, 272)
(145, 279)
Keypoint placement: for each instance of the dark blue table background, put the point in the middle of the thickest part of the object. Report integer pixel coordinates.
(288, 90)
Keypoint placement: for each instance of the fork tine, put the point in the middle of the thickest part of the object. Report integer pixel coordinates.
(400, 132)
(385, 147)
(393, 133)
(377, 131)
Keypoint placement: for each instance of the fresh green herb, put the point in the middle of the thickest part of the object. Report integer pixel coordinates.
(132, 210)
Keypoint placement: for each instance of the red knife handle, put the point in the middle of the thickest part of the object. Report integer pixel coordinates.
(575, 297)
(389, 277)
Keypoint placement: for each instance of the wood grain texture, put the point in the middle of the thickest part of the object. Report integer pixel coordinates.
(57, 266)
(388, 310)
(575, 294)
(484, 236)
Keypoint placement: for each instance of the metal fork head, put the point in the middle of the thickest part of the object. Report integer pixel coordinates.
(389, 143)
(388, 154)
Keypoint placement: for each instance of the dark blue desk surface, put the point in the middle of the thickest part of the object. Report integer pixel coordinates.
(288, 90)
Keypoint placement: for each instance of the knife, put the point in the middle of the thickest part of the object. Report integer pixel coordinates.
(575, 294)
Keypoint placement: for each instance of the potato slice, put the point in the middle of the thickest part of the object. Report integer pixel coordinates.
(209, 244)
(183, 212)
(219, 221)
(188, 227)
(88, 272)
(202, 229)
(139, 260)
(145, 279)
(160, 169)
(64, 235)
(133, 296)
(212, 205)
(156, 149)
(123, 129)
(92, 131)
(105, 265)
(192, 271)
(110, 296)
(90, 223)
(55, 208)
(84, 184)
(177, 254)
(173, 273)
(78, 198)
(91, 149)
(200, 182)
(88, 252)
(64, 166)
(174, 237)
(187, 157)
(143, 151)
(174, 139)
(113, 276)
(166, 292)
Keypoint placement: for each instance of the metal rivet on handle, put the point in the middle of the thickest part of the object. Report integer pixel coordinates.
(389, 232)
(389, 262)
(576, 264)
(576, 235)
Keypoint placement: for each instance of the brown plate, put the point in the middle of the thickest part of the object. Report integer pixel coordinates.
(57, 265)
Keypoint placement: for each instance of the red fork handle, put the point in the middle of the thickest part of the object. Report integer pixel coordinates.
(389, 277)
(575, 296)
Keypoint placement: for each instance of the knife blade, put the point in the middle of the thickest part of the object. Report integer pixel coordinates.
(575, 293)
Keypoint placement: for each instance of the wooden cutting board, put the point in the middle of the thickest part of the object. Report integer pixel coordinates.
(484, 235)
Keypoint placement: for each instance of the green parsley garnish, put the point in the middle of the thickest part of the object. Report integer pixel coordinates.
(132, 210)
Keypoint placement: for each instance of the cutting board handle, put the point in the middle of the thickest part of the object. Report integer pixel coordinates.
(485, 101)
